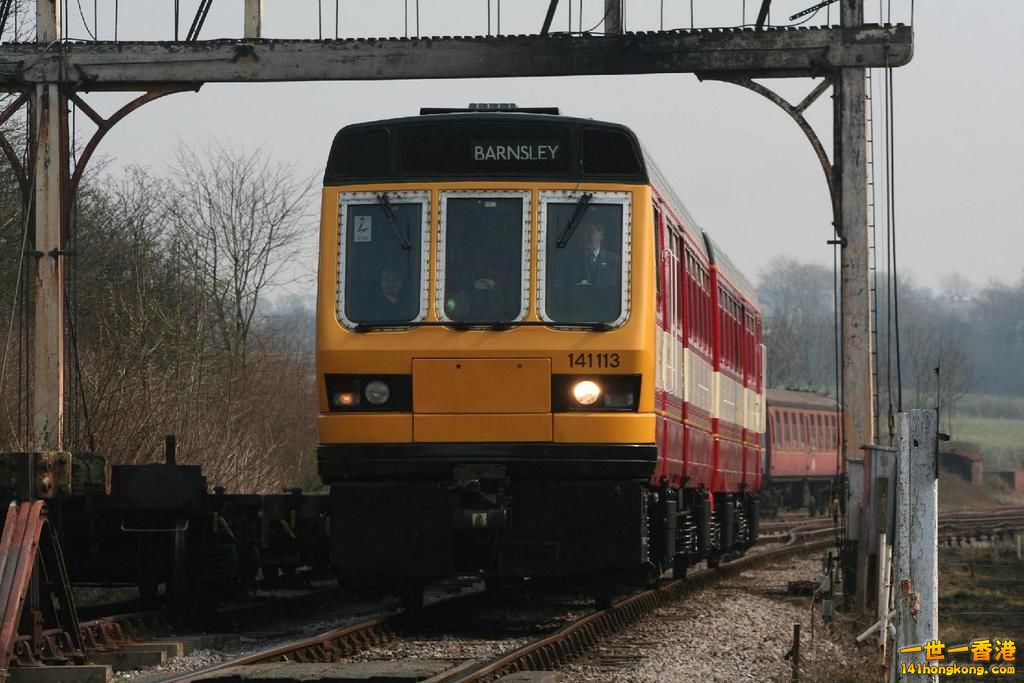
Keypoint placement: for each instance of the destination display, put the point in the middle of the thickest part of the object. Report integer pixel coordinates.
(485, 146)
(474, 148)
(503, 151)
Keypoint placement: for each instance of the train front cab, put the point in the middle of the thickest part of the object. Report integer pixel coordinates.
(481, 458)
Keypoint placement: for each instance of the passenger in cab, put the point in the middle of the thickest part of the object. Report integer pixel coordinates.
(391, 301)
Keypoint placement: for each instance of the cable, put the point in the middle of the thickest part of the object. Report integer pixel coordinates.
(892, 222)
(320, 19)
(85, 23)
(17, 291)
(874, 247)
(71, 298)
(116, 13)
(838, 348)
(594, 28)
(79, 385)
(27, 209)
(803, 21)
(337, 13)
(888, 281)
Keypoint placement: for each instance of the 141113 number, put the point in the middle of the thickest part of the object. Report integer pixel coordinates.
(593, 360)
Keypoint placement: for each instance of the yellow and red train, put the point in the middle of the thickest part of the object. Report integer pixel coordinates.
(532, 361)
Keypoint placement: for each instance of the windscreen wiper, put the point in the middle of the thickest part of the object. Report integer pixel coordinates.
(389, 212)
(577, 216)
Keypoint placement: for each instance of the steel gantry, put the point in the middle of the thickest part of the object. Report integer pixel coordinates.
(51, 73)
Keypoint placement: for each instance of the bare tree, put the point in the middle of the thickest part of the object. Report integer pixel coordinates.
(239, 217)
(798, 323)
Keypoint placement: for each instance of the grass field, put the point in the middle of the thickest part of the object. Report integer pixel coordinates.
(981, 595)
(995, 426)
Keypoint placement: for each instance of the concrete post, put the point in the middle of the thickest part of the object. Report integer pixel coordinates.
(858, 401)
(50, 170)
(48, 21)
(916, 550)
(253, 19)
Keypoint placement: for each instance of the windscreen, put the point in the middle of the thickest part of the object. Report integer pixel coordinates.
(483, 258)
(381, 254)
(583, 278)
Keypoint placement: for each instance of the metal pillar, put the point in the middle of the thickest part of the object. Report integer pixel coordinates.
(858, 402)
(612, 16)
(253, 19)
(916, 552)
(50, 171)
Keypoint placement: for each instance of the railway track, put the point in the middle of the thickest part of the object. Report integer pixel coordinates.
(564, 636)
(555, 647)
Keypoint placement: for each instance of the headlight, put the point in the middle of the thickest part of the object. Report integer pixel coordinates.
(586, 392)
(377, 392)
(346, 399)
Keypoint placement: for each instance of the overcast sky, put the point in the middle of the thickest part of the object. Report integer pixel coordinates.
(744, 169)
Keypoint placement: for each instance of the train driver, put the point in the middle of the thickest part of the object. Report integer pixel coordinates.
(595, 265)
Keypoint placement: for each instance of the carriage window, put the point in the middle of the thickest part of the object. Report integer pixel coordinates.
(584, 258)
(483, 250)
(381, 257)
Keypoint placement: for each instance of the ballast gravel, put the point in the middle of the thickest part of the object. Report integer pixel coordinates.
(741, 630)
